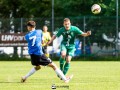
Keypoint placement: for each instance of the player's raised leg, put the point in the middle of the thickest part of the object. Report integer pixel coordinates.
(67, 64)
(70, 53)
(60, 73)
(62, 62)
(62, 58)
(32, 71)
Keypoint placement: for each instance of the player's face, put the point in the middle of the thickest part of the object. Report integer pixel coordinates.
(29, 28)
(67, 25)
(45, 28)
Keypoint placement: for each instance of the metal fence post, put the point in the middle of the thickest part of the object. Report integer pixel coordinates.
(21, 55)
(84, 40)
(116, 47)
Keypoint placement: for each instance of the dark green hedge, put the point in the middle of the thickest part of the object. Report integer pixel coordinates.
(5, 57)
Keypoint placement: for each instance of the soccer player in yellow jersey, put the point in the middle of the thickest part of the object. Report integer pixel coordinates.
(46, 38)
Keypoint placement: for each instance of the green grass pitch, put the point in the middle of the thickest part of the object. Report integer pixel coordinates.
(88, 75)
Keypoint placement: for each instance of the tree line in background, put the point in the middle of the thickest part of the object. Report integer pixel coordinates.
(62, 8)
(65, 8)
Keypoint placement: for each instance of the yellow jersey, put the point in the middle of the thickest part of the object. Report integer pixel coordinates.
(46, 38)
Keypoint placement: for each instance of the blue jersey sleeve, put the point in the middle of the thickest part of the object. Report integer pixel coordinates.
(26, 37)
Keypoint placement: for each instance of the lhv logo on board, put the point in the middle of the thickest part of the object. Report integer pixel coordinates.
(15, 39)
(12, 37)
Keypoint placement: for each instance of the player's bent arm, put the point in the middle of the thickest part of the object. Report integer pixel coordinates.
(53, 37)
(88, 33)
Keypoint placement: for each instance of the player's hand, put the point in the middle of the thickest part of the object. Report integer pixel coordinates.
(48, 43)
(88, 33)
(42, 42)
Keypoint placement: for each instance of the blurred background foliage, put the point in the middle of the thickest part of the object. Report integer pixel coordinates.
(62, 8)
(17, 12)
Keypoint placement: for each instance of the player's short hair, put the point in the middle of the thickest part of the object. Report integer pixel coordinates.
(66, 19)
(45, 26)
(31, 24)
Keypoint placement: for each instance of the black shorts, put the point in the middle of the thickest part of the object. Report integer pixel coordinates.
(40, 60)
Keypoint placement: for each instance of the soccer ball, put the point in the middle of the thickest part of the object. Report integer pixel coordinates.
(96, 9)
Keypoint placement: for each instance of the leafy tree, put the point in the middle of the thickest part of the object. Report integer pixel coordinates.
(25, 8)
(63, 8)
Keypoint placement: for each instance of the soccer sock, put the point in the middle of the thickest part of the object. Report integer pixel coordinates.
(62, 60)
(32, 71)
(66, 67)
(60, 74)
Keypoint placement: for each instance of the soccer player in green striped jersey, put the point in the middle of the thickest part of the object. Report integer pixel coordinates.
(67, 47)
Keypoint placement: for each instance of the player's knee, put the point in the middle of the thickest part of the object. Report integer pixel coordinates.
(52, 65)
(37, 67)
(63, 55)
(68, 61)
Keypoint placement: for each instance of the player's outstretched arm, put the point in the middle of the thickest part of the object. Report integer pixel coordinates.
(88, 33)
(53, 37)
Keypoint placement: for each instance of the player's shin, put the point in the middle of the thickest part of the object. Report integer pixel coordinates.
(32, 71)
(66, 67)
(62, 61)
(60, 74)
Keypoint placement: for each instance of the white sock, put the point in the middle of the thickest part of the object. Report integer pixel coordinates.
(32, 71)
(60, 74)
